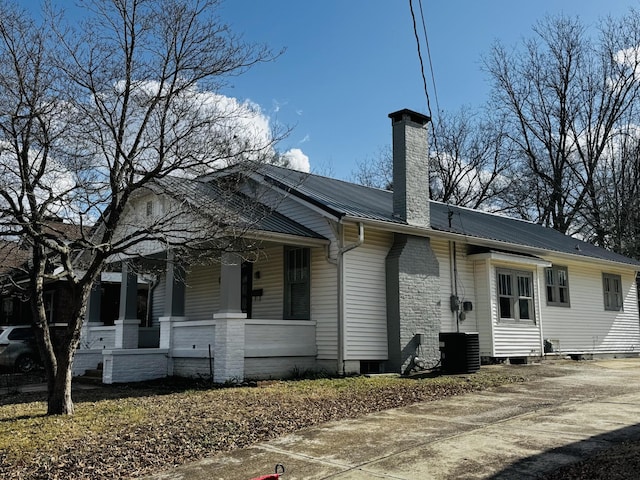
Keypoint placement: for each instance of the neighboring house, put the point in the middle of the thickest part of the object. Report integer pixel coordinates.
(15, 292)
(12, 307)
(357, 279)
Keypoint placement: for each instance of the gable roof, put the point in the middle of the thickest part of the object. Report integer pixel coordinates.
(11, 256)
(344, 199)
(247, 213)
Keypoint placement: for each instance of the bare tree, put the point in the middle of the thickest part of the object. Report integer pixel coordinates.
(375, 171)
(564, 95)
(97, 114)
(470, 165)
(617, 183)
(469, 162)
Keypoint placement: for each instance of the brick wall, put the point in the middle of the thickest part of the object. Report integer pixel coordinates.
(413, 301)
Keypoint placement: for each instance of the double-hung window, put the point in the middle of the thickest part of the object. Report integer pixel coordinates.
(297, 282)
(612, 289)
(557, 282)
(515, 296)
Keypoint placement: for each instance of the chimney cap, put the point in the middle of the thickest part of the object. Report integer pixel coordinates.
(415, 117)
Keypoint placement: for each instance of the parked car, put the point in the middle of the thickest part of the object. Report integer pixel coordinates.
(18, 349)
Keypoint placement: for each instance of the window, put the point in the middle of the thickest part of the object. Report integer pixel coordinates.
(21, 334)
(557, 281)
(612, 288)
(149, 208)
(297, 304)
(515, 295)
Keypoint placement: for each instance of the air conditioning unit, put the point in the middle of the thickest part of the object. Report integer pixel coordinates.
(459, 352)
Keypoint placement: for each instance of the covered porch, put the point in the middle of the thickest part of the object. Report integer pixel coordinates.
(229, 319)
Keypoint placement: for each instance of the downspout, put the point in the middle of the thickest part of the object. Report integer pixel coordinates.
(455, 287)
(341, 296)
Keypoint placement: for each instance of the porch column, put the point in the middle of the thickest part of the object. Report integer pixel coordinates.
(94, 304)
(229, 352)
(92, 316)
(174, 300)
(127, 324)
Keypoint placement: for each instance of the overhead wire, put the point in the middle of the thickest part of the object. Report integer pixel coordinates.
(424, 77)
(426, 41)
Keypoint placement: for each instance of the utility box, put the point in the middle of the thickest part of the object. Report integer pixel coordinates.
(459, 352)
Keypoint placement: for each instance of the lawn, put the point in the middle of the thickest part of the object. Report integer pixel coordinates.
(125, 431)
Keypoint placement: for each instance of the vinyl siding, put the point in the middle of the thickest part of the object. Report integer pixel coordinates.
(270, 266)
(509, 339)
(516, 340)
(324, 303)
(365, 296)
(586, 327)
(483, 307)
(286, 338)
(157, 300)
(465, 284)
(202, 293)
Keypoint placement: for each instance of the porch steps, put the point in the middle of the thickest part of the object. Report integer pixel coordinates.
(92, 376)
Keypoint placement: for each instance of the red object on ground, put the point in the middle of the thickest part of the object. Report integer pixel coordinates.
(279, 470)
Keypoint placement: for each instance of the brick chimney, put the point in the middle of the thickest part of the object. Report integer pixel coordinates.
(410, 167)
(412, 268)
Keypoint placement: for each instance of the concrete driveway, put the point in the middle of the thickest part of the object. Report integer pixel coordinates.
(516, 431)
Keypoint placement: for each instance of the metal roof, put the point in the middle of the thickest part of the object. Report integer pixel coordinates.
(340, 198)
(246, 211)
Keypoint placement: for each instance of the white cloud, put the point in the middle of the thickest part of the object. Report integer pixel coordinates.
(297, 160)
(305, 139)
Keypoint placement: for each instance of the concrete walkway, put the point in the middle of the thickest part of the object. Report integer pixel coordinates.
(517, 431)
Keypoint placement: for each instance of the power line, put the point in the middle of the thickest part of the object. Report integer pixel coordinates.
(424, 78)
(426, 41)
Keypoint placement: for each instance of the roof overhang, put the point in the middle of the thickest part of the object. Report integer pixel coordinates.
(483, 242)
(512, 258)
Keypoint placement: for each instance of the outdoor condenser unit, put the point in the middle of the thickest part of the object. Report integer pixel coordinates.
(459, 352)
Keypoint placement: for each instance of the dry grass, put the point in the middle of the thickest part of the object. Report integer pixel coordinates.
(131, 430)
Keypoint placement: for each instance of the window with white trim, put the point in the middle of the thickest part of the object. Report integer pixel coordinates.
(612, 290)
(297, 283)
(557, 283)
(515, 296)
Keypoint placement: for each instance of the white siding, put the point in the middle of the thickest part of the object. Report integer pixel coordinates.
(270, 268)
(465, 285)
(324, 303)
(365, 297)
(286, 338)
(202, 294)
(586, 327)
(483, 307)
(514, 340)
(157, 300)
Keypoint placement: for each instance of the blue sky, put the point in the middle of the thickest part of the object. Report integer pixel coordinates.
(349, 63)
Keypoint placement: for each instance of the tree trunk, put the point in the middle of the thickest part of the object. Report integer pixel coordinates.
(59, 400)
(59, 397)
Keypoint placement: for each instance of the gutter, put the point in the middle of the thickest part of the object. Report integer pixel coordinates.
(485, 242)
(342, 328)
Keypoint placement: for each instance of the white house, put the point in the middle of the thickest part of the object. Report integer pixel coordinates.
(356, 279)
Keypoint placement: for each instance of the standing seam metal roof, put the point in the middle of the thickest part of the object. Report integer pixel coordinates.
(341, 198)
